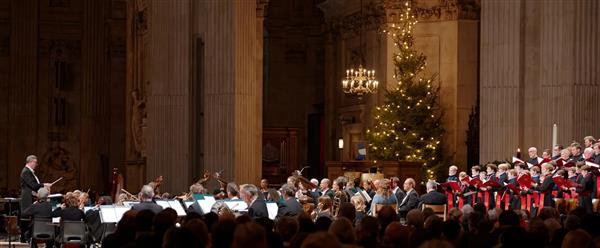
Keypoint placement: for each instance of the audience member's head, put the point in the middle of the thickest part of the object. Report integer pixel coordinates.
(347, 210)
(222, 234)
(414, 218)
(287, 227)
(342, 229)
(321, 240)
(200, 230)
(396, 235)
(181, 237)
(509, 218)
(322, 223)
(143, 220)
(577, 239)
(164, 220)
(249, 233)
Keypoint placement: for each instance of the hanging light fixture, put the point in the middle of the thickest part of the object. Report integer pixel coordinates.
(360, 81)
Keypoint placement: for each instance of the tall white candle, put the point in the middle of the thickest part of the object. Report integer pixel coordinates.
(554, 135)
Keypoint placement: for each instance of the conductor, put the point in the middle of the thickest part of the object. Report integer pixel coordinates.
(30, 182)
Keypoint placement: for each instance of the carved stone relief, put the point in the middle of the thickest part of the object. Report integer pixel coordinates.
(57, 162)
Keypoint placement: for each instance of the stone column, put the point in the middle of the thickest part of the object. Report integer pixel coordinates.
(23, 91)
(168, 94)
(539, 66)
(233, 87)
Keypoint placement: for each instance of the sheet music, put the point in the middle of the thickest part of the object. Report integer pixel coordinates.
(273, 209)
(108, 214)
(206, 205)
(129, 203)
(588, 163)
(237, 205)
(56, 220)
(164, 204)
(112, 214)
(176, 205)
(188, 204)
(85, 209)
(364, 194)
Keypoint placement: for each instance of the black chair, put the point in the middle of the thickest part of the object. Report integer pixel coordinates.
(42, 231)
(73, 232)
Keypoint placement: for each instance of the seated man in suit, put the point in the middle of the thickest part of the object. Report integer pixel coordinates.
(147, 193)
(290, 206)
(257, 208)
(411, 198)
(40, 209)
(432, 197)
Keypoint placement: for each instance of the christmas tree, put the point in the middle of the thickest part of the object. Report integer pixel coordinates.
(408, 125)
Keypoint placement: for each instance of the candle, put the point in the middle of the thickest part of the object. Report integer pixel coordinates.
(519, 153)
(554, 135)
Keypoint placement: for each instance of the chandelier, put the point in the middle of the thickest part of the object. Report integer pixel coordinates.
(360, 82)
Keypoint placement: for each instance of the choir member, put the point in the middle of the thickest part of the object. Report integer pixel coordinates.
(547, 155)
(452, 174)
(535, 173)
(585, 189)
(501, 175)
(588, 141)
(491, 170)
(588, 154)
(533, 156)
(576, 155)
(597, 153)
(546, 186)
(556, 152)
(515, 200)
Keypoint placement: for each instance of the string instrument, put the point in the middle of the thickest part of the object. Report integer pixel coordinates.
(130, 196)
(116, 184)
(204, 178)
(155, 184)
(303, 180)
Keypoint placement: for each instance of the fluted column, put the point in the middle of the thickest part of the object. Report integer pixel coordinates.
(233, 87)
(169, 92)
(94, 101)
(539, 66)
(500, 78)
(23, 91)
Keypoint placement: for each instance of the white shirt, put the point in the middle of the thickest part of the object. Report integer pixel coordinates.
(395, 190)
(33, 172)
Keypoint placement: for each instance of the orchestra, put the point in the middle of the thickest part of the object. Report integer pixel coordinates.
(564, 179)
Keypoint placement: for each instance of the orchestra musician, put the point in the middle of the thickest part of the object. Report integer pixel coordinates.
(257, 208)
(146, 196)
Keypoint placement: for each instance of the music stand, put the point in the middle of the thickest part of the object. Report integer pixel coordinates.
(10, 200)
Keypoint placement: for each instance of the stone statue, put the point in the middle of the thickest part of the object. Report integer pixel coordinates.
(138, 123)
